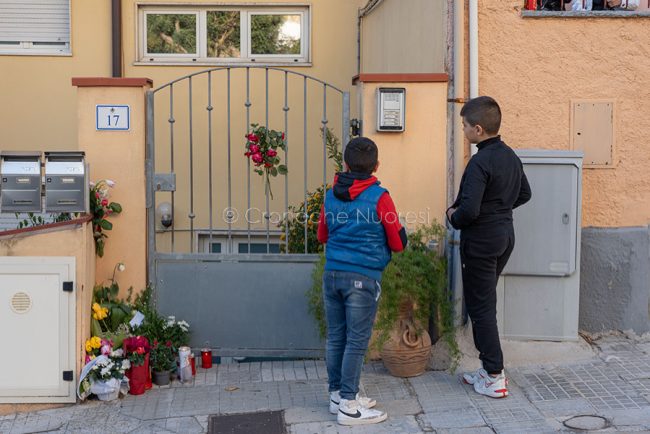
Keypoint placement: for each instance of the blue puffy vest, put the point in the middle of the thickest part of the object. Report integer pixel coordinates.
(356, 239)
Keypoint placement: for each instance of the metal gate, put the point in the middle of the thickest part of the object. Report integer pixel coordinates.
(217, 255)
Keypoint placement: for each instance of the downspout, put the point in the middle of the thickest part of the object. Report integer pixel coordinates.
(473, 48)
(369, 7)
(116, 37)
(473, 56)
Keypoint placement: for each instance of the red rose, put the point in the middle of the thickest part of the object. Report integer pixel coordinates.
(96, 195)
(282, 136)
(248, 154)
(268, 164)
(252, 137)
(168, 343)
(140, 350)
(104, 202)
(271, 153)
(257, 158)
(254, 149)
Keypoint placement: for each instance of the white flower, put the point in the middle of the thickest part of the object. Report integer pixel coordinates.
(184, 325)
(110, 183)
(118, 353)
(121, 267)
(104, 372)
(126, 364)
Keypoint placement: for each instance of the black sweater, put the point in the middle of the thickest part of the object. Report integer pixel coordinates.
(493, 185)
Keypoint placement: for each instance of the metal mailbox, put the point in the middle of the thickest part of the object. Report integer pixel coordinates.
(20, 173)
(66, 182)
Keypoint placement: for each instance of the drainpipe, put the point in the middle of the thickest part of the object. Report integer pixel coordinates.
(459, 92)
(369, 7)
(116, 37)
(473, 56)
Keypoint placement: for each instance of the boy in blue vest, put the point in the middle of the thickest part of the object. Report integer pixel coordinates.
(359, 223)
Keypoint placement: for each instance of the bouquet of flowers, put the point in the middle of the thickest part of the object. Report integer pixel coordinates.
(137, 348)
(104, 372)
(100, 208)
(261, 147)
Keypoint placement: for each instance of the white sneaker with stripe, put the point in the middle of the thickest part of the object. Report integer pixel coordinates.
(353, 413)
(494, 387)
(335, 399)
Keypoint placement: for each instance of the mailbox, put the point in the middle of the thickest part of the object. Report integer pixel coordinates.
(66, 182)
(20, 173)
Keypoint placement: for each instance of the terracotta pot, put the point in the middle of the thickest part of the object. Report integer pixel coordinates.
(407, 351)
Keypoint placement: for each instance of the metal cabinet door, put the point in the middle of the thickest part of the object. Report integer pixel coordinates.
(546, 227)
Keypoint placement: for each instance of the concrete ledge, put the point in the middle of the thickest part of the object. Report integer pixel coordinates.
(586, 14)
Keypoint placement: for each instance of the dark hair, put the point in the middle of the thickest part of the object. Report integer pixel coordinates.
(483, 111)
(361, 155)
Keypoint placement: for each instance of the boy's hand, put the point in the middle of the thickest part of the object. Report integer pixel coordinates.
(450, 211)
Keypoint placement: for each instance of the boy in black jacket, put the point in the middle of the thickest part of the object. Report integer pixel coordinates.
(493, 185)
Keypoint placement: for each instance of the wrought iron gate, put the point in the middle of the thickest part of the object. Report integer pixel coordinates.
(220, 260)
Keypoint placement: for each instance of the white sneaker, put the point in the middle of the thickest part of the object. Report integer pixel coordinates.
(494, 387)
(473, 377)
(352, 413)
(335, 398)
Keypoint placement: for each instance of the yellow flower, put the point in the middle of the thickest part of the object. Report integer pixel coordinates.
(89, 348)
(95, 342)
(96, 307)
(95, 316)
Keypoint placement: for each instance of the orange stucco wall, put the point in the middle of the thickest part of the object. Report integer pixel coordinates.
(534, 67)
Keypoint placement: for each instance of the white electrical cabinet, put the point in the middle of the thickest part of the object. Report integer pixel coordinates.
(538, 291)
(37, 323)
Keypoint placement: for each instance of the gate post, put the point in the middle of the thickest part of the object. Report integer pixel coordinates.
(116, 150)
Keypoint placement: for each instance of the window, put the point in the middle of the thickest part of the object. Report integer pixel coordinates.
(239, 242)
(224, 34)
(35, 27)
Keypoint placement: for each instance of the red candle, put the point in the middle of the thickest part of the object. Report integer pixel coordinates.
(193, 363)
(206, 358)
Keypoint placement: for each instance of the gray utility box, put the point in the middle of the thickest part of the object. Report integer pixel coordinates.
(538, 291)
(20, 173)
(66, 182)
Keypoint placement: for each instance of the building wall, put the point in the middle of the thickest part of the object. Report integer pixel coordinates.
(405, 39)
(412, 163)
(546, 63)
(534, 67)
(39, 108)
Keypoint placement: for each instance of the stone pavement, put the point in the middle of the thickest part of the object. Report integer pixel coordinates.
(614, 385)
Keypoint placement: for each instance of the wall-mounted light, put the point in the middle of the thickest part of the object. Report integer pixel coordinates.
(164, 214)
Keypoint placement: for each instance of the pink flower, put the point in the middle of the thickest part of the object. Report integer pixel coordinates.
(104, 202)
(168, 343)
(254, 149)
(282, 136)
(140, 350)
(271, 153)
(252, 137)
(97, 195)
(257, 158)
(247, 154)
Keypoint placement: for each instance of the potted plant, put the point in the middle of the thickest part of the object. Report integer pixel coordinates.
(413, 293)
(163, 360)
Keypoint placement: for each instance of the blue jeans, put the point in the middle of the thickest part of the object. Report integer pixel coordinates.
(350, 308)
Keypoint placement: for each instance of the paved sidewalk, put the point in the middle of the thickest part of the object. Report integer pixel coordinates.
(615, 385)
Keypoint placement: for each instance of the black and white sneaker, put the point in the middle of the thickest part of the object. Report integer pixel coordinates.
(353, 413)
(335, 398)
